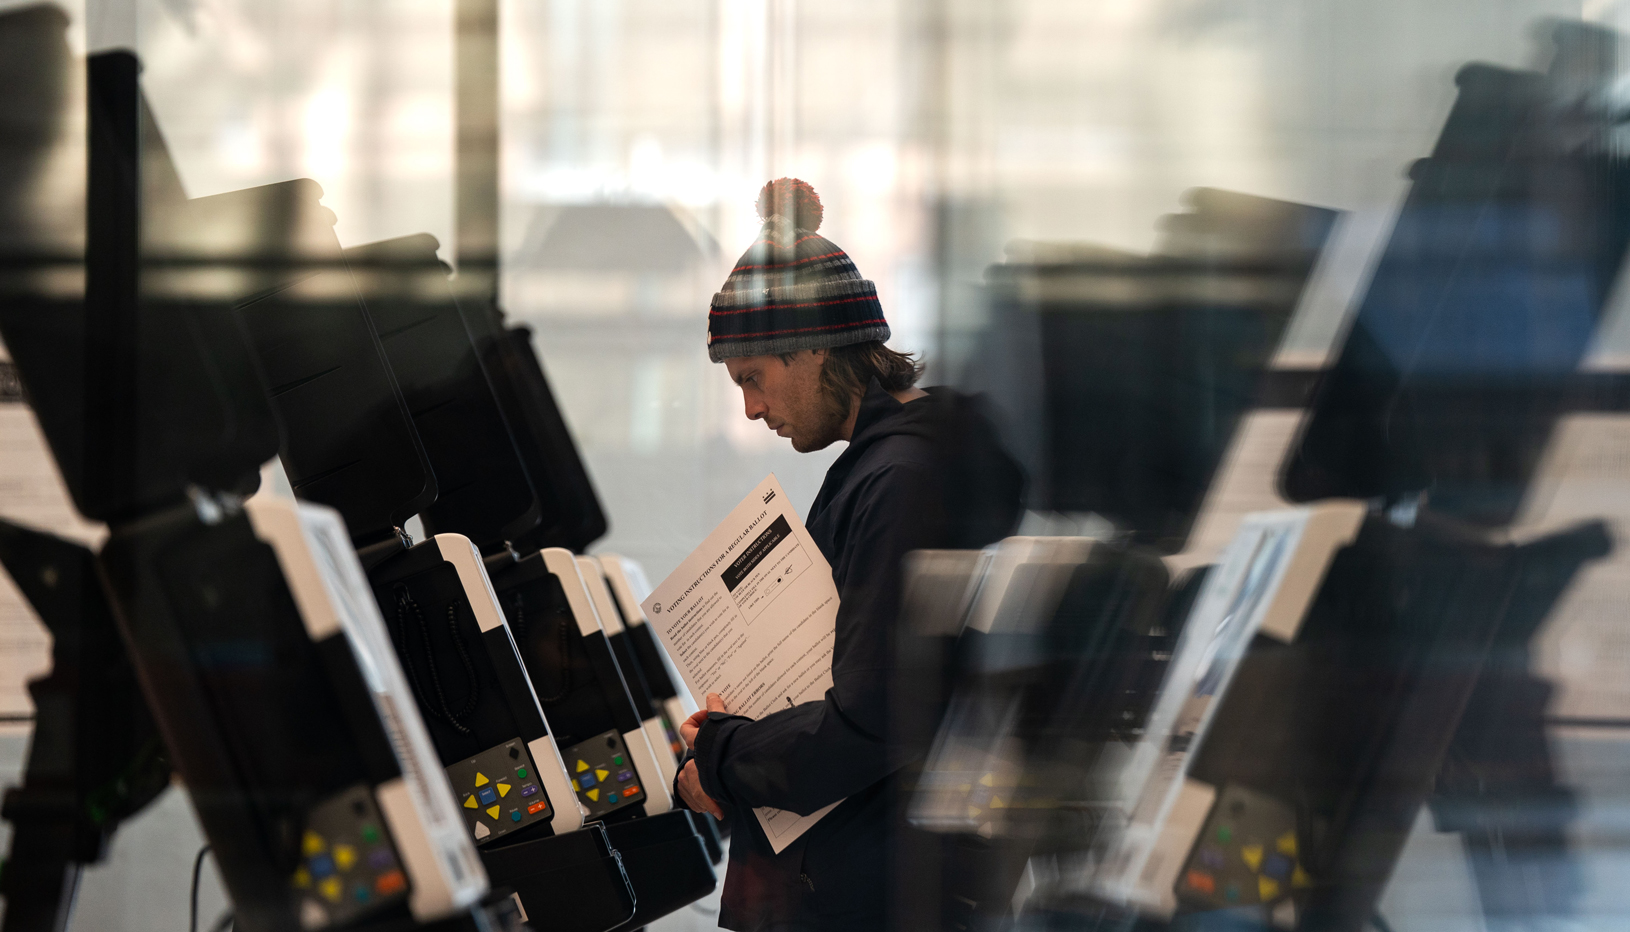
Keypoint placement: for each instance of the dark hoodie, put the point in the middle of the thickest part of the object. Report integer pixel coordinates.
(925, 474)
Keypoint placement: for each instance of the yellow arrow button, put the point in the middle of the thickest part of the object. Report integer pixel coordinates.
(1286, 844)
(1267, 887)
(492, 812)
(312, 843)
(469, 802)
(593, 795)
(581, 766)
(480, 778)
(1252, 855)
(1299, 878)
(601, 774)
(503, 789)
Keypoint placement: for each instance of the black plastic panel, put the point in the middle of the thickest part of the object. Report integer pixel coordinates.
(1464, 350)
(483, 490)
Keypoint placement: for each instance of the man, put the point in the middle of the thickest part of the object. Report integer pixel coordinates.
(802, 334)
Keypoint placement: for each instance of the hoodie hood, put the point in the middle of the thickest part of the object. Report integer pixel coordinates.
(984, 485)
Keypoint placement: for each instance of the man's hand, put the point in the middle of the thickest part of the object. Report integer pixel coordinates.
(690, 781)
(692, 725)
(690, 787)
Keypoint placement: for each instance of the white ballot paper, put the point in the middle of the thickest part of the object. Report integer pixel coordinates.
(752, 615)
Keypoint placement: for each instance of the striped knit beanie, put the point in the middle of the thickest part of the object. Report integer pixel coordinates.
(793, 289)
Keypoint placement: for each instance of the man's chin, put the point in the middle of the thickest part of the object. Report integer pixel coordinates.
(802, 446)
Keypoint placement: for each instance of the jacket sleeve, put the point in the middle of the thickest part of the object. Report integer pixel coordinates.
(809, 756)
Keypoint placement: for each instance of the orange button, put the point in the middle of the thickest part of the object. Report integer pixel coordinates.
(392, 882)
(1202, 882)
(536, 808)
(630, 791)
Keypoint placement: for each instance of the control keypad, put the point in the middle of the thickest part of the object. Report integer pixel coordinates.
(498, 791)
(1246, 855)
(348, 863)
(603, 774)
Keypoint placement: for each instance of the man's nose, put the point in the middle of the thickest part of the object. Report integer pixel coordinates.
(756, 408)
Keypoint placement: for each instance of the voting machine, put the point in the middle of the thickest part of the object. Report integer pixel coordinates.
(248, 629)
(1321, 675)
(551, 604)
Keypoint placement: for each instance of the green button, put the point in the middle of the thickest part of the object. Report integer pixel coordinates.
(370, 834)
(1224, 834)
(617, 760)
(520, 772)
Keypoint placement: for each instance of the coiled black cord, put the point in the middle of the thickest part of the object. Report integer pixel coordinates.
(441, 708)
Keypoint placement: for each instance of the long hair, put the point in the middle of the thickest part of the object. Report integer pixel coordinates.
(849, 371)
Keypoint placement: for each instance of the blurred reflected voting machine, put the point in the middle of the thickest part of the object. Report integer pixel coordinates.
(752, 615)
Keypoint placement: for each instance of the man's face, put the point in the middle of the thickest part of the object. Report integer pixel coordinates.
(788, 398)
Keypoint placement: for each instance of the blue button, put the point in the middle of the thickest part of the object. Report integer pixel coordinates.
(321, 866)
(488, 795)
(586, 779)
(515, 815)
(360, 893)
(529, 789)
(1277, 866)
(625, 776)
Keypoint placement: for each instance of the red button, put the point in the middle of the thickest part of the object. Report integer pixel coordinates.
(630, 791)
(392, 882)
(535, 808)
(1202, 882)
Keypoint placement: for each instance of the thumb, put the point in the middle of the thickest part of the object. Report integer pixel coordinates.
(715, 703)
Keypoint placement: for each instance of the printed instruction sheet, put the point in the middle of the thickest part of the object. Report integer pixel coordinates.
(752, 615)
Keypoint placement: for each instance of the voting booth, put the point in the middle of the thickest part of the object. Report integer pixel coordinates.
(529, 709)
(246, 624)
(1252, 781)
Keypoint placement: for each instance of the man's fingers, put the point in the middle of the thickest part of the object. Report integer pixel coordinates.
(715, 703)
(690, 788)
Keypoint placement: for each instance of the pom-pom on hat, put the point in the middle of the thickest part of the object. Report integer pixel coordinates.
(793, 289)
